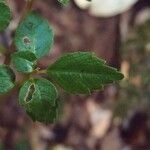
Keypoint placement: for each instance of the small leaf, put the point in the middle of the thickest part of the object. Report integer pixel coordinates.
(82, 73)
(7, 79)
(35, 35)
(38, 98)
(5, 15)
(64, 2)
(24, 61)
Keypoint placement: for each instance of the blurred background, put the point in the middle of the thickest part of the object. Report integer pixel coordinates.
(114, 119)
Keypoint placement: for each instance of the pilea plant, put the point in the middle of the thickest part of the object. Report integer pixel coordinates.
(77, 73)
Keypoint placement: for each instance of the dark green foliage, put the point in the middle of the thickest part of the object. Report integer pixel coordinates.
(38, 98)
(49, 114)
(79, 72)
(5, 15)
(82, 73)
(7, 79)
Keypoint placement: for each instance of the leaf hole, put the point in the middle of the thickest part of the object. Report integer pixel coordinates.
(30, 93)
(26, 40)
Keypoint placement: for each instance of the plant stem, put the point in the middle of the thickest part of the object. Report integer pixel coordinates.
(42, 71)
(37, 72)
(8, 54)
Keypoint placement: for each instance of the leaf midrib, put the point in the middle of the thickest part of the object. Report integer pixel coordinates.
(80, 73)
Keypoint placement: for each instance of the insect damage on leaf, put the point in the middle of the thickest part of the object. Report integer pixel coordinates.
(78, 73)
(35, 35)
(38, 98)
(31, 91)
(26, 40)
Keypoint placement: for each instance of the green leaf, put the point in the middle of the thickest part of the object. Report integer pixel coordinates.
(82, 73)
(64, 2)
(38, 98)
(5, 15)
(24, 61)
(35, 35)
(7, 79)
(51, 114)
